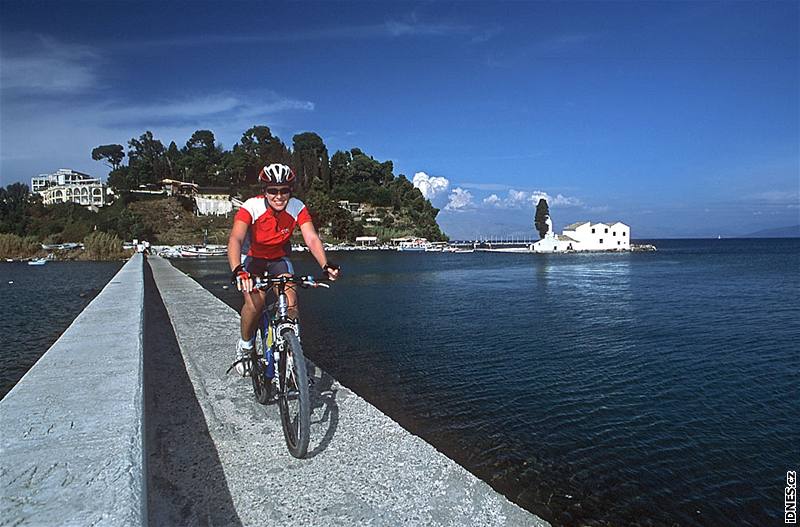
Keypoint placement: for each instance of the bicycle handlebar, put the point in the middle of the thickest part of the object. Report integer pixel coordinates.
(264, 282)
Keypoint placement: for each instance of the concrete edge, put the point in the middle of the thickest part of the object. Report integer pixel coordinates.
(73, 427)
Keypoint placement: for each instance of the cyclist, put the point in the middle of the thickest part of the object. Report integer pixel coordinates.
(269, 220)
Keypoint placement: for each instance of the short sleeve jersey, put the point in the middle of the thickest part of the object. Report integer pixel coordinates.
(269, 232)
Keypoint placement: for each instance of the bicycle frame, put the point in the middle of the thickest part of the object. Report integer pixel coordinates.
(274, 321)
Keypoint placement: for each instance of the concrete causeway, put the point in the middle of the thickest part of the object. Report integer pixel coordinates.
(74, 437)
(71, 450)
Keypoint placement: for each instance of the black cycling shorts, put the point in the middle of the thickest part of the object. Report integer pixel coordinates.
(258, 266)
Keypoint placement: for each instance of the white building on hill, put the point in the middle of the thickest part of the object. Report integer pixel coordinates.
(67, 185)
(213, 202)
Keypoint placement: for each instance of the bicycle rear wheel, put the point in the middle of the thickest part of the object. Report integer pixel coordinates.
(262, 386)
(293, 399)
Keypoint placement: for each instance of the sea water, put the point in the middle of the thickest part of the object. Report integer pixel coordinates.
(594, 389)
(37, 303)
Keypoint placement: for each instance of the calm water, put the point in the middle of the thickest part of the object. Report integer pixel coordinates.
(592, 389)
(40, 304)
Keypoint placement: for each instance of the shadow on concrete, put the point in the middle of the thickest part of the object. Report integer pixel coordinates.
(323, 409)
(185, 481)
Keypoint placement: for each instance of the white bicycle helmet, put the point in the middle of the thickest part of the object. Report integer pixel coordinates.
(276, 174)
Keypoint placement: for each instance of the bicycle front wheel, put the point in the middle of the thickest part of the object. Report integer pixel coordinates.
(262, 386)
(294, 401)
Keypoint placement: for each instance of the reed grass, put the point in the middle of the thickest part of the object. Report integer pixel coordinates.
(17, 247)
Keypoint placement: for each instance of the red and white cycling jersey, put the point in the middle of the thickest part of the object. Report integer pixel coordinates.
(269, 232)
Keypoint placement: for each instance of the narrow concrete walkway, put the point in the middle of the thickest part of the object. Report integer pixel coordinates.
(71, 445)
(363, 468)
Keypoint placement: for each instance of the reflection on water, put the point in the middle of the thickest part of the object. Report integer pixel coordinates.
(592, 389)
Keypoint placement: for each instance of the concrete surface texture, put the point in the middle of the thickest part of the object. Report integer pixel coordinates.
(362, 468)
(71, 451)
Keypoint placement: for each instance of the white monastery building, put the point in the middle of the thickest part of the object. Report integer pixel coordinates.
(585, 236)
(66, 185)
(615, 236)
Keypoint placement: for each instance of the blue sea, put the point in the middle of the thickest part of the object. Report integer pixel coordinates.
(592, 389)
(37, 303)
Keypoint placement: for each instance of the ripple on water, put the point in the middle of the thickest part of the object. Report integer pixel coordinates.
(603, 389)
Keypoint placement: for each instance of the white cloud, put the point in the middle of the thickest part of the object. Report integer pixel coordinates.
(211, 108)
(430, 186)
(484, 186)
(493, 200)
(520, 198)
(566, 201)
(459, 200)
(72, 130)
(517, 198)
(536, 195)
(46, 66)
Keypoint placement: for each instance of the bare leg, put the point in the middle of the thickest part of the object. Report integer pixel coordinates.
(251, 310)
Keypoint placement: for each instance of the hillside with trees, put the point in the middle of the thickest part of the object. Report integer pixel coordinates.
(393, 205)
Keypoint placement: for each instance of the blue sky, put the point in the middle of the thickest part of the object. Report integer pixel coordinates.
(678, 118)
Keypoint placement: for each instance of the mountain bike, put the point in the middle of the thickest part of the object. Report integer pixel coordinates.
(278, 343)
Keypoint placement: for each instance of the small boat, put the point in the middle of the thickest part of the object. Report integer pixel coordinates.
(411, 248)
(202, 250)
(38, 261)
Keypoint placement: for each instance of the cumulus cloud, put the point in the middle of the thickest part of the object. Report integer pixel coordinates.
(566, 201)
(517, 197)
(492, 200)
(520, 198)
(430, 186)
(459, 200)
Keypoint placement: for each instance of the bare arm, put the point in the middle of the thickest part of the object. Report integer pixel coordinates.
(235, 241)
(314, 245)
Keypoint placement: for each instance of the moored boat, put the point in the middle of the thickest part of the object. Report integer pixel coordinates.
(189, 251)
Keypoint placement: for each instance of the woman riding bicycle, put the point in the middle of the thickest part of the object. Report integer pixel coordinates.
(269, 219)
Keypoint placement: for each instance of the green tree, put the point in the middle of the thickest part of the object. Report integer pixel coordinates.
(173, 160)
(540, 220)
(310, 160)
(146, 160)
(111, 154)
(257, 148)
(201, 158)
(15, 204)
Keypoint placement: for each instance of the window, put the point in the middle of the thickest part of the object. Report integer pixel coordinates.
(592, 231)
(618, 242)
(601, 240)
(615, 233)
(623, 233)
(606, 231)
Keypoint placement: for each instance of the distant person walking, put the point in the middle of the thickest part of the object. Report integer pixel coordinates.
(269, 220)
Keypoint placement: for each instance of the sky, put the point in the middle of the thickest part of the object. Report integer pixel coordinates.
(678, 118)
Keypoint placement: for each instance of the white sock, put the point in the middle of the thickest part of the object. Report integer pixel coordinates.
(246, 344)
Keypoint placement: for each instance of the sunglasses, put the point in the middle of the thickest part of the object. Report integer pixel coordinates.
(274, 191)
